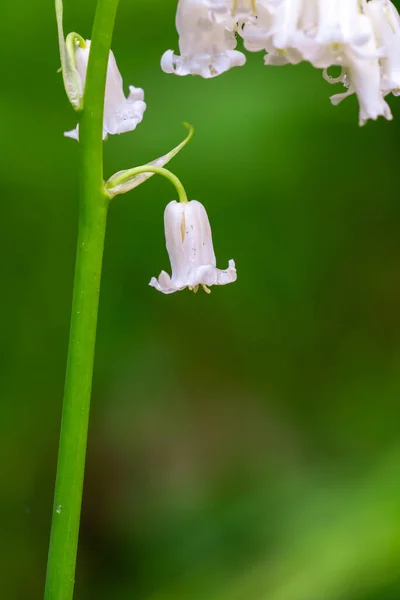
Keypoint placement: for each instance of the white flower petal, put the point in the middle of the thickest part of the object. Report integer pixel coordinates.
(73, 134)
(120, 114)
(276, 29)
(207, 40)
(205, 65)
(190, 249)
(362, 77)
(341, 22)
(386, 23)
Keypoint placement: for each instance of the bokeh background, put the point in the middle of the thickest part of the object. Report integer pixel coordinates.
(243, 445)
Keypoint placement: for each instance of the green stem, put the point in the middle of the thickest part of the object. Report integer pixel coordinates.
(114, 183)
(92, 226)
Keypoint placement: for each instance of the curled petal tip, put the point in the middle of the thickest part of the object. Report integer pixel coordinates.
(167, 62)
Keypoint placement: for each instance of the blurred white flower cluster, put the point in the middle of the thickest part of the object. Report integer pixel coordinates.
(362, 37)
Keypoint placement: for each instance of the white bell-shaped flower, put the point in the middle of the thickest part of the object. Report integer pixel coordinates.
(207, 39)
(351, 44)
(257, 32)
(343, 36)
(386, 23)
(362, 77)
(190, 249)
(339, 26)
(120, 114)
(275, 29)
(287, 16)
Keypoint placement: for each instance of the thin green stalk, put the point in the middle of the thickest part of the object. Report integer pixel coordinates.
(117, 182)
(92, 226)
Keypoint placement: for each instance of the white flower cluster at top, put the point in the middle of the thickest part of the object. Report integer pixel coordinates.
(360, 36)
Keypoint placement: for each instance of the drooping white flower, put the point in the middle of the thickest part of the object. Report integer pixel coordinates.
(332, 28)
(257, 32)
(190, 249)
(120, 114)
(286, 17)
(207, 39)
(362, 77)
(362, 37)
(325, 33)
(386, 24)
(275, 29)
(344, 37)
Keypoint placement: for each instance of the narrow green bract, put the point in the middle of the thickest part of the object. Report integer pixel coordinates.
(124, 181)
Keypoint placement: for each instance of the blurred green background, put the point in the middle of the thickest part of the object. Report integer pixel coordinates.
(243, 445)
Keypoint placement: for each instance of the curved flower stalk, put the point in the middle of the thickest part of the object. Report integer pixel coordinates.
(360, 36)
(126, 180)
(191, 252)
